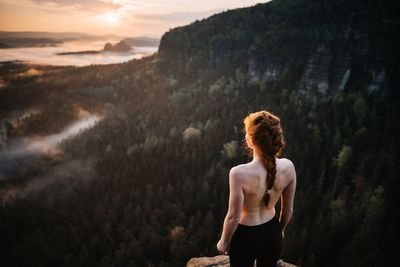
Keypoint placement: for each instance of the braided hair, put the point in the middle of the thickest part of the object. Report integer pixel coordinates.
(266, 134)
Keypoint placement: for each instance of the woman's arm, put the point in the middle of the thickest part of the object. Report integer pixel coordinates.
(287, 197)
(236, 198)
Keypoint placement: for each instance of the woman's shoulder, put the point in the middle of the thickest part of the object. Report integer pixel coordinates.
(287, 167)
(241, 170)
(285, 164)
(238, 169)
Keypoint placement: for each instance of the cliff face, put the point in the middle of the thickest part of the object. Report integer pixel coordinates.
(351, 58)
(324, 47)
(223, 261)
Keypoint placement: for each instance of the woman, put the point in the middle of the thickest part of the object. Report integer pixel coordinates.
(251, 229)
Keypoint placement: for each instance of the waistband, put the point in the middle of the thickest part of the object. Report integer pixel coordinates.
(272, 220)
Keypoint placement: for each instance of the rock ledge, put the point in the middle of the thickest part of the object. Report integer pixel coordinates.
(222, 261)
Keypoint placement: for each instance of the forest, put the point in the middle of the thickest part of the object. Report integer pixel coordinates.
(148, 185)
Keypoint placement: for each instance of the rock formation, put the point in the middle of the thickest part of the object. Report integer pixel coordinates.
(121, 46)
(222, 261)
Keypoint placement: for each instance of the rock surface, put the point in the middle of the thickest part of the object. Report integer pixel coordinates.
(222, 261)
(118, 47)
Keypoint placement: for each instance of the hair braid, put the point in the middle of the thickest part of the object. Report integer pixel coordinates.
(270, 166)
(266, 135)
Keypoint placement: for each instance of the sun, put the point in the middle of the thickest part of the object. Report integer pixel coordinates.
(111, 18)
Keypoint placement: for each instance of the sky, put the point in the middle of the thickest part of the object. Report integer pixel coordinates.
(120, 17)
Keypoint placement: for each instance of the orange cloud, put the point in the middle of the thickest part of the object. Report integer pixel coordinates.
(91, 6)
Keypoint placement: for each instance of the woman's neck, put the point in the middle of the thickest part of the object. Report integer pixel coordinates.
(256, 156)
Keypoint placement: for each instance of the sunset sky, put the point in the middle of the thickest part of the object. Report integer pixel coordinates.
(122, 17)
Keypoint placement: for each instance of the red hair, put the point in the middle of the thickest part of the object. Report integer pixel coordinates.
(266, 134)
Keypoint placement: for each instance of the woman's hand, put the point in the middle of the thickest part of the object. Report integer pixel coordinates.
(283, 234)
(222, 247)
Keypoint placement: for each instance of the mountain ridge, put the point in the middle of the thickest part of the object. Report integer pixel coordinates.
(325, 33)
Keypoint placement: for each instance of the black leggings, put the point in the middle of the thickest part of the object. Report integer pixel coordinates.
(263, 242)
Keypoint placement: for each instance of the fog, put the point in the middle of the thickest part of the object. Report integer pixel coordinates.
(48, 55)
(19, 155)
(69, 172)
(16, 117)
(21, 151)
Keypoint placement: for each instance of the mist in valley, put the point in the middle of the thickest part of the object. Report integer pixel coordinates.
(48, 54)
(20, 155)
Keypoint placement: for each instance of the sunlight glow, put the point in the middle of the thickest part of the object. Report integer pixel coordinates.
(111, 18)
(99, 17)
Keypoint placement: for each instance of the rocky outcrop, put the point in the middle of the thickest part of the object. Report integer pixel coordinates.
(108, 47)
(121, 46)
(222, 261)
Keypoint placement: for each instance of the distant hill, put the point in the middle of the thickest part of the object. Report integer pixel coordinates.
(56, 35)
(65, 36)
(28, 39)
(41, 34)
(29, 42)
(5, 46)
(85, 52)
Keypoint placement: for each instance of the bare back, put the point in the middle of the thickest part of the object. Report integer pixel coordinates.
(253, 184)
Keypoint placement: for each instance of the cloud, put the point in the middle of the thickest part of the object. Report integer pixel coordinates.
(90, 6)
(178, 16)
